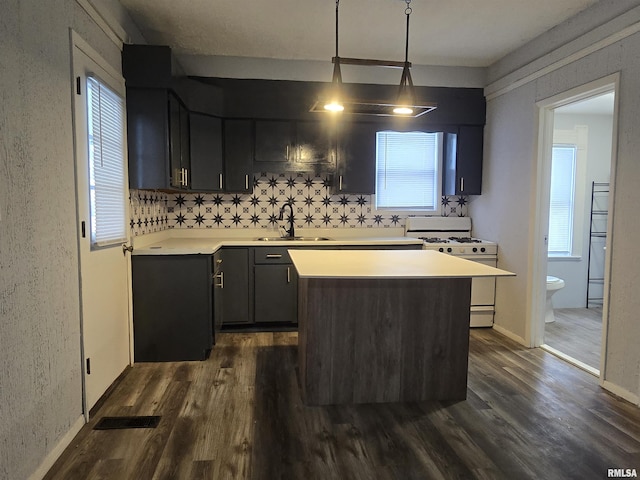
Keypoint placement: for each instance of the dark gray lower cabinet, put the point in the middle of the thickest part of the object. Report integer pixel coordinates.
(172, 307)
(233, 283)
(276, 294)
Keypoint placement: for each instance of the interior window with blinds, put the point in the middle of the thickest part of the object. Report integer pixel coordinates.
(106, 127)
(408, 166)
(563, 179)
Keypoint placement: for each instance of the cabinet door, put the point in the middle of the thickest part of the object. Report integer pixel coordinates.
(175, 139)
(185, 146)
(314, 144)
(235, 286)
(238, 155)
(206, 153)
(276, 291)
(218, 296)
(148, 138)
(274, 144)
(463, 161)
(356, 164)
(172, 307)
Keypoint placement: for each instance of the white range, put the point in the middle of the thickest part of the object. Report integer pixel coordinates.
(452, 235)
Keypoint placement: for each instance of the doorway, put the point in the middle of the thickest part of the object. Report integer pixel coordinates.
(575, 174)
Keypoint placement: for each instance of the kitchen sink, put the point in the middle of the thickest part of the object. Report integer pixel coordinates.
(298, 239)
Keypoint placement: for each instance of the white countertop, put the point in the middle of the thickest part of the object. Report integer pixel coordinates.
(387, 264)
(177, 245)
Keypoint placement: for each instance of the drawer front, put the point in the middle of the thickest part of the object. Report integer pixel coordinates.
(271, 255)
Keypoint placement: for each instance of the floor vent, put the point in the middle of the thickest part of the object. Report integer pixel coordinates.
(114, 423)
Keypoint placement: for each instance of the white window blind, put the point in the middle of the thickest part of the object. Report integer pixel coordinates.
(106, 127)
(408, 170)
(563, 175)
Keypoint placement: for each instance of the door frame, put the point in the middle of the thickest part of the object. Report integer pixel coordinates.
(78, 44)
(540, 212)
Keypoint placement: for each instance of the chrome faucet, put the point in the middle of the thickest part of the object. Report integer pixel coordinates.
(291, 231)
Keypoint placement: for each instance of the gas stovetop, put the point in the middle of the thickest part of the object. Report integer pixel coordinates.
(448, 235)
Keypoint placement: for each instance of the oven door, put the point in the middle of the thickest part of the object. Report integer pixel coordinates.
(483, 293)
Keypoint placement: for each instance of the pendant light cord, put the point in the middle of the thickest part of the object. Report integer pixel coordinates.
(407, 12)
(337, 5)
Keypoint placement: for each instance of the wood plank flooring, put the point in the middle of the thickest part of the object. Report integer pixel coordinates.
(239, 415)
(577, 332)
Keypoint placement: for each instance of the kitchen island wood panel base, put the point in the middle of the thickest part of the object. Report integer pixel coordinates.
(383, 340)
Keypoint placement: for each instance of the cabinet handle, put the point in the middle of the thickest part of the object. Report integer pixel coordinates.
(219, 261)
(219, 276)
(288, 274)
(461, 184)
(287, 153)
(220, 181)
(186, 177)
(246, 182)
(274, 255)
(340, 186)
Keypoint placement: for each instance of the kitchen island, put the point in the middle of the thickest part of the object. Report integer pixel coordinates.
(383, 326)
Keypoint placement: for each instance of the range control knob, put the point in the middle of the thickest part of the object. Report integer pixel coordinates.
(441, 249)
(475, 249)
(462, 250)
(449, 250)
(482, 249)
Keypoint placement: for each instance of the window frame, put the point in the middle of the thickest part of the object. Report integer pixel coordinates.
(439, 164)
(96, 244)
(571, 206)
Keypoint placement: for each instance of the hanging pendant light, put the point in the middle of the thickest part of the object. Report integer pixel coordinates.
(406, 92)
(335, 101)
(404, 105)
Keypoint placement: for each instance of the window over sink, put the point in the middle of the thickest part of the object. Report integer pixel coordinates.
(408, 171)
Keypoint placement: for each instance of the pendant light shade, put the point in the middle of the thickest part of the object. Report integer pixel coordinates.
(335, 99)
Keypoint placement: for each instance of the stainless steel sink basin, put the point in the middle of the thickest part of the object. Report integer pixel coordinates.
(298, 239)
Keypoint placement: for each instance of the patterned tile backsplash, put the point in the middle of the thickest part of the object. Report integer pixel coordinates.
(314, 207)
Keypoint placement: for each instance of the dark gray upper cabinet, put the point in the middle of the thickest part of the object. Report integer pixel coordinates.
(356, 158)
(463, 161)
(179, 144)
(207, 165)
(288, 146)
(172, 307)
(238, 155)
(315, 145)
(148, 66)
(157, 135)
(274, 143)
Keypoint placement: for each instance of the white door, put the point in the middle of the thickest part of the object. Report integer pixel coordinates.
(102, 206)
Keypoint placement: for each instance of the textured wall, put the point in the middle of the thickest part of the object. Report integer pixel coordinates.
(40, 378)
(511, 137)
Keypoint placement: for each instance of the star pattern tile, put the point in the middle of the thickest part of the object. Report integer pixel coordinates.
(314, 207)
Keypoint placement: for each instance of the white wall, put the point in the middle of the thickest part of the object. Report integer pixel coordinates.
(597, 169)
(506, 209)
(40, 377)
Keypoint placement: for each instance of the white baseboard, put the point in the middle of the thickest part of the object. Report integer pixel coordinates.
(509, 334)
(53, 455)
(621, 392)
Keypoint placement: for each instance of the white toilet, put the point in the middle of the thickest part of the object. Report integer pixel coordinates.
(553, 285)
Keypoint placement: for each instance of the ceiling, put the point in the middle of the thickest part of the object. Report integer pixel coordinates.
(598, 105)
(473, 33)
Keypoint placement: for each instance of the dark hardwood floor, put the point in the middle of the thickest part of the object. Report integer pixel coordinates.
(528, 415)
(577, 332)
